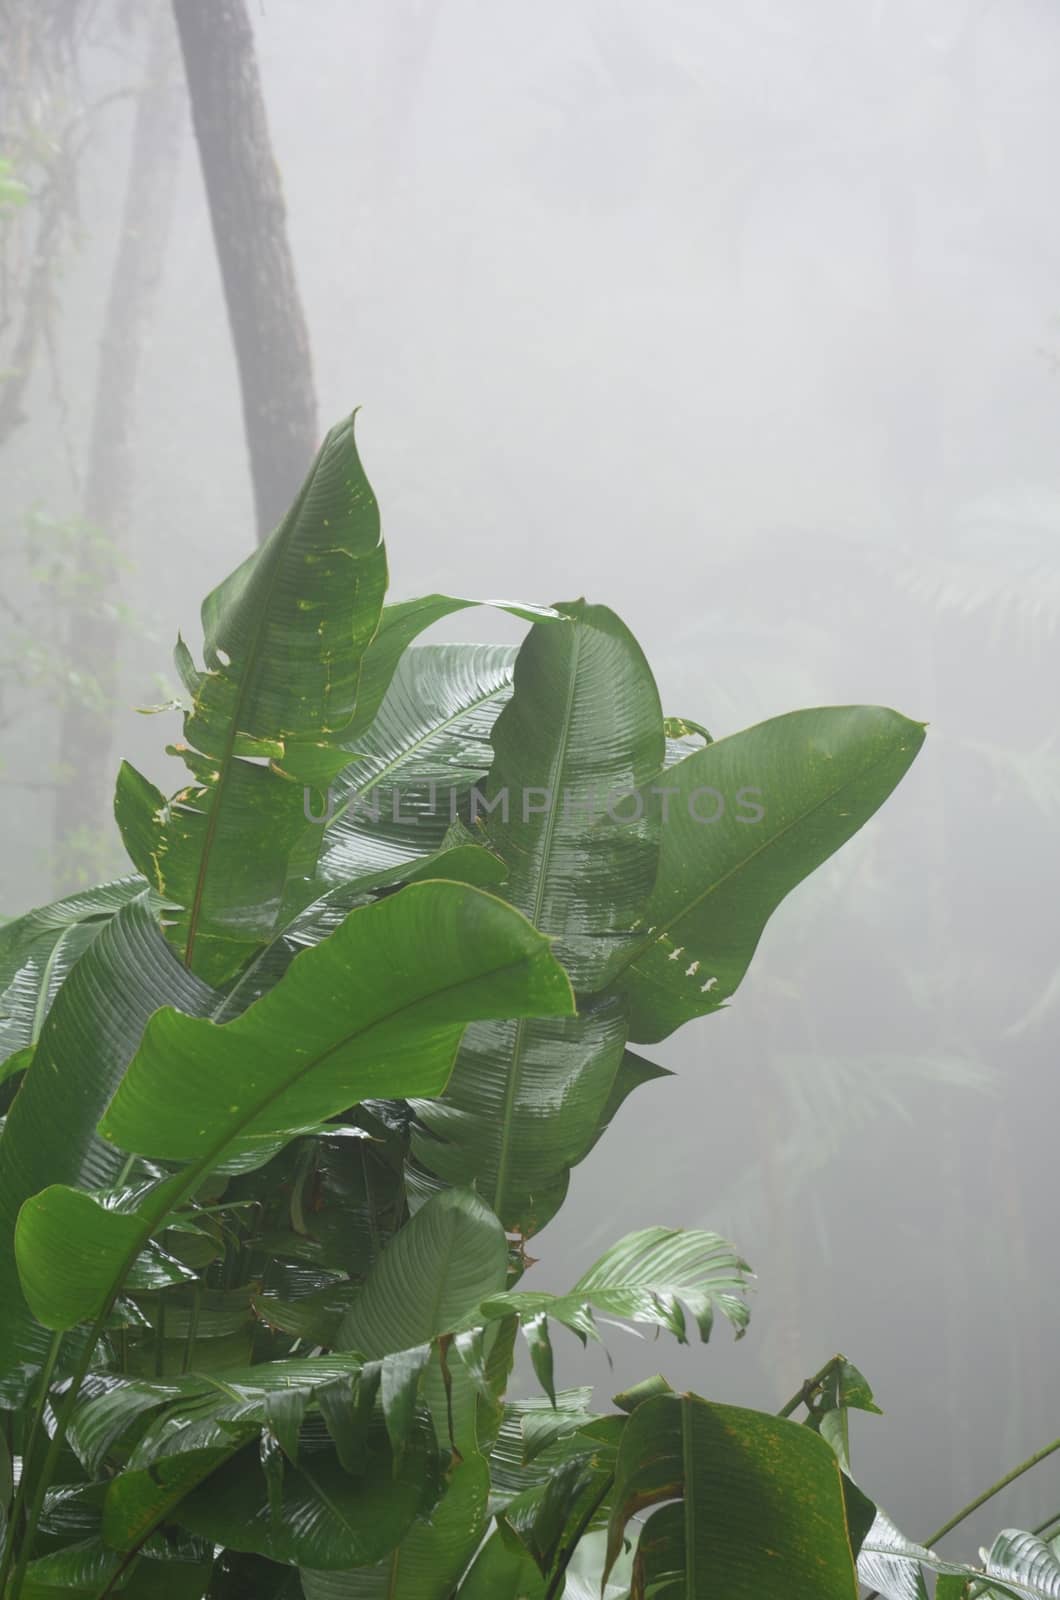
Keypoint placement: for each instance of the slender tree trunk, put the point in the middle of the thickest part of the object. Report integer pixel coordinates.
(85, 728)
(250, 233)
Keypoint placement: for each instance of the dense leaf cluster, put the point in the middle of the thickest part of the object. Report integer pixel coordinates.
(284, 1107)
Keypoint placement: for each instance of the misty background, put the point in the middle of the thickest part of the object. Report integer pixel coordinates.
(746, 322)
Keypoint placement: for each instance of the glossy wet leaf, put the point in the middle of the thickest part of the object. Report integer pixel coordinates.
(749, 817)
(749, 1504)
(431, 1556)
(86, 1043)
(285, 636)
(649, 1276)
(376, 1009)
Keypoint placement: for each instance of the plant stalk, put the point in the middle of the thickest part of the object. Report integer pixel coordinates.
(62, 1422)
(810, 1387)
(27, 1458)
(981, 1500)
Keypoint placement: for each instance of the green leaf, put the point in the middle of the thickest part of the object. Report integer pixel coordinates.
(1018, 1566)
(285, 636)
(138, 1502)
(535, 1436)
(430, 1558)
(746, 820)
(757, 1504)
(327, 1519)
(647, 1277)
(501, 1572)
(1023, 1564)
(417, 762)
(428, 1283)
(582, 730)
(430, 1278)
(399, 1388)
(583, 726)
(535, 1332)
(375, 1010)
(405, 621)
(894, 1565)
(90, 1035)
(524, 1104)
(458, 862)
(38, 950)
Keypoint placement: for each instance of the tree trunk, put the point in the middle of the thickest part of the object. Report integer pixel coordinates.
(85, 725)
(250, 233)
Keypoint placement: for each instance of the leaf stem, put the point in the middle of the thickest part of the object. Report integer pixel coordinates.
(995, 1488)
(981, 1500)
(810, 1387)
(62, 1422)
(27, 1457)
(556, 1583)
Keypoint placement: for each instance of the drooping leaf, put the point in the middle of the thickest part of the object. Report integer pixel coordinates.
(744, 821)
(649, 1276)
(375, 1010)
(404, 621)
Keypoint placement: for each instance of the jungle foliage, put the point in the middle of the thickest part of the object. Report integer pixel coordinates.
(285, 1105)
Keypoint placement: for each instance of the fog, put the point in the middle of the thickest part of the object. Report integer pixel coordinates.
(744, 321)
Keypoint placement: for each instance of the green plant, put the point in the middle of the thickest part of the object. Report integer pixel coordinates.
(285, 1105)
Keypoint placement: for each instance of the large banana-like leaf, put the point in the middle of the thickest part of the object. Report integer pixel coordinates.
(318, 1514)
(524, 1104)
(459, 861)
(285, 636)
(745, 820)
(399, 625)
(450, 1256)
(86, 1043)
(750, 1505)
(429, 1560)
(574, 747)
(376, 1010)
(582, 732)
(38, 950)
(427, 745)
(86, 1568)
(428, 1282)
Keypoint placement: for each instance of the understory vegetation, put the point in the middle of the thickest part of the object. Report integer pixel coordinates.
(285, 1105)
